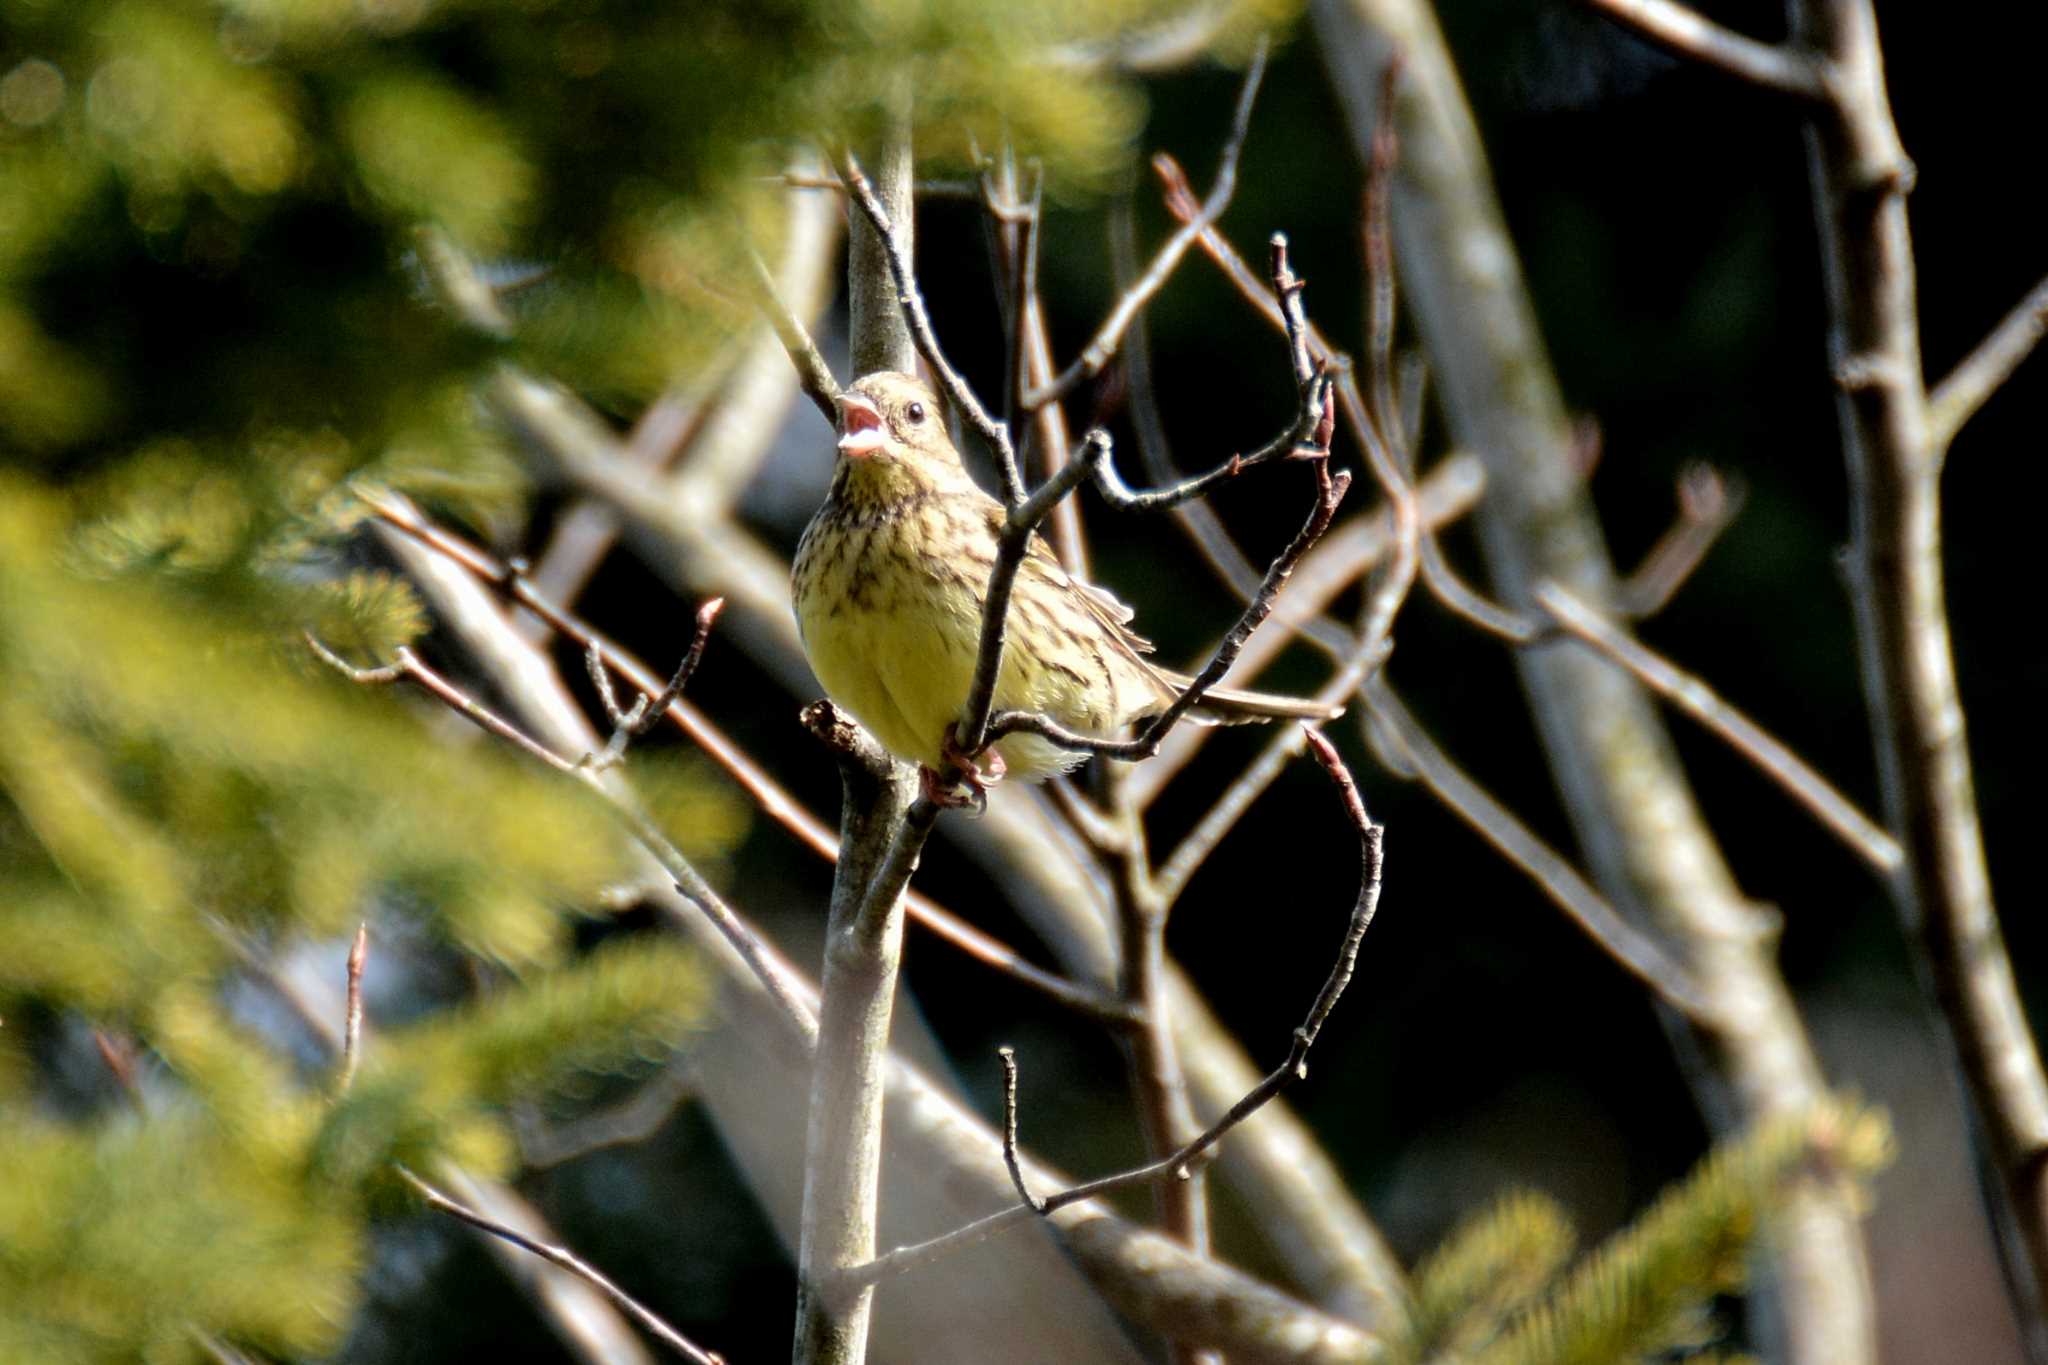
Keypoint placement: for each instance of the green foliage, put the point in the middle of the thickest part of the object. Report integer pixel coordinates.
(125, 1239)
(206, 205)
(433, 1089)
(1648, 1290)
(178, 792)
(1489, 1268)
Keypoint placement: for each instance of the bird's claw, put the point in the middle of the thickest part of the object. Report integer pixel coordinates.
(971, 788)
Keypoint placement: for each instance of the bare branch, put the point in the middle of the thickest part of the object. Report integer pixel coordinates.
(1378, 430)
(1340, 559)
(1956, 399)
(813, 374)
(643, 830)
(1176, 1165)
(352, 1021)
(1159, 1090)
(1706, 507)
(1008, 1056)
(1101, 349)
(647, 711)
(1682, 30)
(1201, 841)
(1944, 895)
(1692, 696)
(567, 1260)
(1408, 751)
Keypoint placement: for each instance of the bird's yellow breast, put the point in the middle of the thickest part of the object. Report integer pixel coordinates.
(889, 609)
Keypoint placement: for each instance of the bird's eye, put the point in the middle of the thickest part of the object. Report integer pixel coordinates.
(915, 412)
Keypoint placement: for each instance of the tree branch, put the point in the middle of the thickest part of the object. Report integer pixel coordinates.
(1101, 348)
(1679, 29)
(1861, 176)
(1692, 696)
(1176, 1164)
(880, 832)
(1984, 370)
(565, 1259)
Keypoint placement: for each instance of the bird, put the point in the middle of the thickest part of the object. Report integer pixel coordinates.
(888, 586)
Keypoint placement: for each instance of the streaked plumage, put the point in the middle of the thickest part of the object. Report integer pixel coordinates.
(889, 581)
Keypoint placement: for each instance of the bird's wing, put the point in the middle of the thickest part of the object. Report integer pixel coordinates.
(1137, 687)
(1101, 606)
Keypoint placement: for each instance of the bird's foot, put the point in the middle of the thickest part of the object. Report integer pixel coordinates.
(971, 788)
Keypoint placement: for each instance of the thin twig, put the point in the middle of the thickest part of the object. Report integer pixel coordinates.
(1175, 1165)
(1706, 507)
(352, 1020)
(974, 731)
(813, 374)
(1339, 560)
(1694, 697)
(1306, 436)
(1405, 749)
(1008, 1056)
(567, 1260)
(1330, 492)
(647, 711)
(1956, 399)
(1201, 841)
(1101, 348)
(1387, 456)
(1782, 68)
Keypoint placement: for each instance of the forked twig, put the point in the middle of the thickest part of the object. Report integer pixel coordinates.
(1101, 348)
(1177, 1164)
(647, 711)
(1008, 1057)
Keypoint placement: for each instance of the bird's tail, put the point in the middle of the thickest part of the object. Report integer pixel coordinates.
(1236, 706)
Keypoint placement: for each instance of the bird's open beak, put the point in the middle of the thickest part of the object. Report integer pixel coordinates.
(860, 426)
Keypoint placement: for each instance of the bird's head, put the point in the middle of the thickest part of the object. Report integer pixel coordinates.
(893, 439)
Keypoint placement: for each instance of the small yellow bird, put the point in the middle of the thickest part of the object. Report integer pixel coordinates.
(889, 582)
